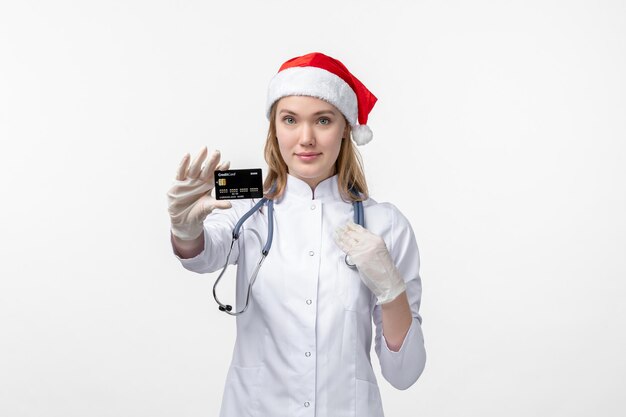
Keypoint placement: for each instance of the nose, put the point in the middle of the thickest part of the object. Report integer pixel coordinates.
(307, 135)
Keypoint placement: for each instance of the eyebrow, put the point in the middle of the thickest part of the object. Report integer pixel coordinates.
(314, 114)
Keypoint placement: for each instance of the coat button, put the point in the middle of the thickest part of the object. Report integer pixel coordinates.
(307, 354)
(306, 403)
(312, 206)
(309, 302)
(311, 253)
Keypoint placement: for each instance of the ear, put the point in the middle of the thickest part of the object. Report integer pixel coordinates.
(346, 131)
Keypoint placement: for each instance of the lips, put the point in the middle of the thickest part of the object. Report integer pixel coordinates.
(307, 156)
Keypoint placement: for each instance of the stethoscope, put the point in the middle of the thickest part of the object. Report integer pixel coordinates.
(358, 219)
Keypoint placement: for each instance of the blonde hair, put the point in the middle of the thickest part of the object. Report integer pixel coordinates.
(348, 166)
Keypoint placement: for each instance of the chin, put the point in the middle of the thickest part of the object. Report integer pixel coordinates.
(309, 173)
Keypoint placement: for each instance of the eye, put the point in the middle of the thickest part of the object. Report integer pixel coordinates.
(324, 121)
(289, 120)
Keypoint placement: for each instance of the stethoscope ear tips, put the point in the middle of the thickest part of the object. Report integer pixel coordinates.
(349, 262)
(228, 308)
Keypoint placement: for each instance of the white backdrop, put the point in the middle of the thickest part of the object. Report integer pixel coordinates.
(499, 132)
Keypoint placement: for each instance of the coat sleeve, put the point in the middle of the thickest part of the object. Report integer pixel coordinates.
(218, 233)
(401, 369)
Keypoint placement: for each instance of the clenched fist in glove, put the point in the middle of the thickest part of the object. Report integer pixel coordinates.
(190, 199)
(371, 257)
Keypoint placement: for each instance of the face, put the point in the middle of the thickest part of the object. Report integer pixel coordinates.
(309, 132)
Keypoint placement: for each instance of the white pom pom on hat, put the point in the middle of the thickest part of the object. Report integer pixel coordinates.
(362, 134)
(318, 75)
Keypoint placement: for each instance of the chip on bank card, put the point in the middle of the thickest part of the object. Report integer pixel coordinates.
(234, 184)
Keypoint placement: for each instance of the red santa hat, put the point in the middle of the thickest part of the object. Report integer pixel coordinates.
(318, 75)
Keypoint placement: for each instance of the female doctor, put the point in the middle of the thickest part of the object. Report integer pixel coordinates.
(303, 342)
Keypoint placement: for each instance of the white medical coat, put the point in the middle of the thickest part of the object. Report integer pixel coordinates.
(303, 345)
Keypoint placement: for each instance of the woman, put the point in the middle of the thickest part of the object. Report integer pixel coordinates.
(303, 343)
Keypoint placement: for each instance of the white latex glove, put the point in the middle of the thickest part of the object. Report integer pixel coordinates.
(371, 257)
(190, 199)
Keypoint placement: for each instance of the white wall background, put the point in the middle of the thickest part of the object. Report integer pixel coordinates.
(499, 132)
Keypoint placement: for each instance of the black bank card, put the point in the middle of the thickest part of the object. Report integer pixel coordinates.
(234, 184)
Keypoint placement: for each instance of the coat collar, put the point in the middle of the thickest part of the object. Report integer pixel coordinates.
(298, 190)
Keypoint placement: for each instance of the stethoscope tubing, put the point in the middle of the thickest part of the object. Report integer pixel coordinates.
(359, 218)
(226, 308)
